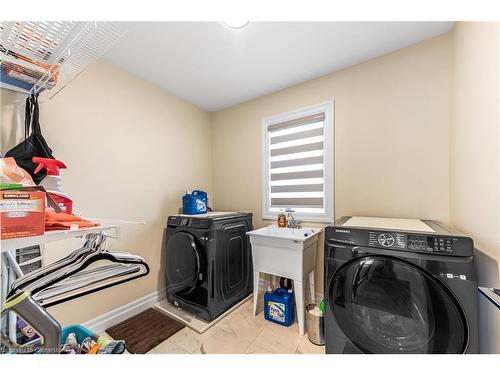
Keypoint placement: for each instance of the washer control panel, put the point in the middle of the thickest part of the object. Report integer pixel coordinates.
(431, 243)
(387, 240)
(412, 242)
(440, 242)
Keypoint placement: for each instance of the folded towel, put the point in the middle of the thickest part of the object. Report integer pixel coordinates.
(58, 221)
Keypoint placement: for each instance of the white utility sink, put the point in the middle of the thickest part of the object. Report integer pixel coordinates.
(272, 231)
(285, 252)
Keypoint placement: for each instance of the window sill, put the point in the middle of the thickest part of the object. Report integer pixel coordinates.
(318, 220)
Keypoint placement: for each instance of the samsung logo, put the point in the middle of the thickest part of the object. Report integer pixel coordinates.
(342, 231)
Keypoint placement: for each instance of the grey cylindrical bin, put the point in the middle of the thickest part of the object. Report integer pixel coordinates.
(315, 326)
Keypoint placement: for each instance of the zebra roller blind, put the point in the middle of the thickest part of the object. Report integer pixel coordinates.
(295, 165)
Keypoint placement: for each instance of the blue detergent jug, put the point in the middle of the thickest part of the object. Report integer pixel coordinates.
(278, 306)
(195, 203)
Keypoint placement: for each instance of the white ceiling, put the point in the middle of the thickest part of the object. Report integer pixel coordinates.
(215, 67)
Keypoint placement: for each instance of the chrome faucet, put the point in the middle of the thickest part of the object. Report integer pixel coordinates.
(290, 220)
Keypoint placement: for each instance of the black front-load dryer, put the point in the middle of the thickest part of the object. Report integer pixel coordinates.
(391, 291)
(208, 262)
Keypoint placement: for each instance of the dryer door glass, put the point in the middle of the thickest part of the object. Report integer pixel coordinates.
(387, 305)
(183, 265)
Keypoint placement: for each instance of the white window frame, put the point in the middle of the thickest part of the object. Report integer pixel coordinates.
(328, 154)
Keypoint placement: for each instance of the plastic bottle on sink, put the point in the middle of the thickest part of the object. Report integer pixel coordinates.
(52, 182)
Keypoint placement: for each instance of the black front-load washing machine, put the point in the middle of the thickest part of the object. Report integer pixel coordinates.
(407, 289)
(208, 262)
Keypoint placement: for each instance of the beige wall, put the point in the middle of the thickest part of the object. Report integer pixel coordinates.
(475, 151)
(132, 150)
(392, 118)
(416, 135)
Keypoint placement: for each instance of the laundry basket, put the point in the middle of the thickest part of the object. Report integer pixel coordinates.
(82, 333)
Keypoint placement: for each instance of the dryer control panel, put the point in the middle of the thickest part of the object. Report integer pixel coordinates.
(186, 221)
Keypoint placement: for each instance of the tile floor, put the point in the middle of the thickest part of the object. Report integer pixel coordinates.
(240, 333)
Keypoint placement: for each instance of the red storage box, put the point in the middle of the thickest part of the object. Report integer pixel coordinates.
(22, 213)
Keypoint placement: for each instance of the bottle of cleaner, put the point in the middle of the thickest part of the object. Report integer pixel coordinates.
(281, 220)
(195, 203)
(52, 182)
(278, 306)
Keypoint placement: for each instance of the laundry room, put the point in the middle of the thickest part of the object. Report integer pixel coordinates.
(281, 187)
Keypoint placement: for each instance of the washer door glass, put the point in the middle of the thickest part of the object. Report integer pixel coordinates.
(387, 305)
(182, 262)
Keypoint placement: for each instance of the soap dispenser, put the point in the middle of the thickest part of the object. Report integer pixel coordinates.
(281, 220)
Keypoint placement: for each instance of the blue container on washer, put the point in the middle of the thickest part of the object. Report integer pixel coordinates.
(278, 307)
(195, 203)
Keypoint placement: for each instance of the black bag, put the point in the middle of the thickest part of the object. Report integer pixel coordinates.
(34, 144)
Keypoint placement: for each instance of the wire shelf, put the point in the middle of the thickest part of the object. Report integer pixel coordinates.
(46, 56)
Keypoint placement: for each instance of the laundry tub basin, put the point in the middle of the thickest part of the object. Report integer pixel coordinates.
(285, 252)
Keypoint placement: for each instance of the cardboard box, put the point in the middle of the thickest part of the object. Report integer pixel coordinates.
(22, 213)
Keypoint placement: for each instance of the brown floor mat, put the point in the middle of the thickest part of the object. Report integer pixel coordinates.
(144, 331)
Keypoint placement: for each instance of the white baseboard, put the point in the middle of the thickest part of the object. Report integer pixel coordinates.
(109, 319)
